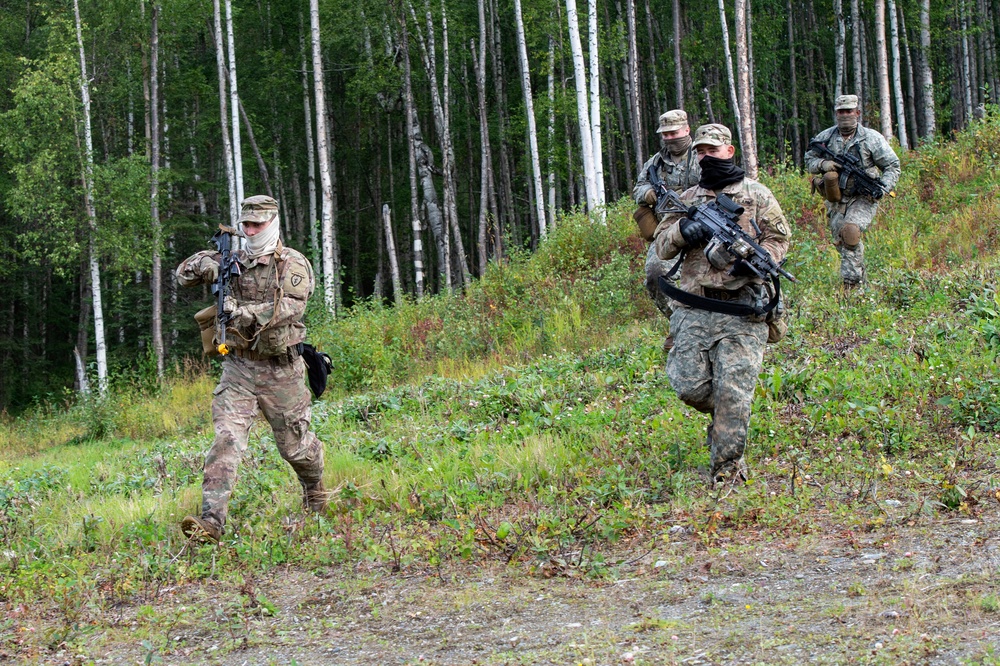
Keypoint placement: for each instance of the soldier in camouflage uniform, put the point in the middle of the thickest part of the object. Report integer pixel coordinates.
(264, 371)
(853, 214)
(716, 357)
(677, 166)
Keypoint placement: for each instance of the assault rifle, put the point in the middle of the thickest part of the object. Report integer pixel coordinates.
(851, 166)
(228, 268)
(722, 217)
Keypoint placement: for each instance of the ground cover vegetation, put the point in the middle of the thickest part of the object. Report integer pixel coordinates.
(527, 425)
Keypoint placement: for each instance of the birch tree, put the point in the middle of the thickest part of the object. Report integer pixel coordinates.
(310, 143)
(882, 64)
(485, 158)
(793, 78)
(897, 85)
(745, 115)
(595, 104)
(88, 200)
(418, 250)
(234, 104)
(529, 106)
(582, 110)
(838, 45)
(331, 276)
(156, 275)
(227, 150)
(926, 77)
(632, 77)
(678, 67)
(733, 98)
(856, 51)
(390, 246)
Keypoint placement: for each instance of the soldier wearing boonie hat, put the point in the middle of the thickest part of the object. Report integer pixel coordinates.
(677, 168)
(851, 213)
(265, 372)
(716, 357)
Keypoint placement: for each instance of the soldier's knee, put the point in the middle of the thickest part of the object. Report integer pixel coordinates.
(850, 235)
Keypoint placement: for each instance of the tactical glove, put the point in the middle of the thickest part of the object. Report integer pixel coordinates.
(229, 305)
(650, 196)
(742, 269)
(242, 317)
(828, 165)
(695, 232)
(209, 268)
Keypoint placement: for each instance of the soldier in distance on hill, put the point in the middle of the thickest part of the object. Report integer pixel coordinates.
(265, 372)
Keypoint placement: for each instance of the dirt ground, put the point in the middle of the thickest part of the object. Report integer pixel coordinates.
(914, 594)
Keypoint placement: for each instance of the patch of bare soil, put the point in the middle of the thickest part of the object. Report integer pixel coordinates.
(923, 594)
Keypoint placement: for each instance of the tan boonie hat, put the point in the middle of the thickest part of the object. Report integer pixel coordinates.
(712, 135)
(846, 102)
(260, 209)
(671, 121)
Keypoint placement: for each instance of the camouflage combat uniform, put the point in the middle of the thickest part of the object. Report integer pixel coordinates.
(876, 156)
(262, 373)
(716, 357)
(678, 176)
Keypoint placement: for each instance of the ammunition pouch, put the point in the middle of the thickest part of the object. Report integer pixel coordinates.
(646, 219)
(828, 186)
(206, 324)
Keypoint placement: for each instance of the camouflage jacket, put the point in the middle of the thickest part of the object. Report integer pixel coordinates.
(274, 288)
(697, 274)
(877, 156)
(678, 176)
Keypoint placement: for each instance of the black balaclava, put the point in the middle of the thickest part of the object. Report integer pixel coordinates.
(717, 173)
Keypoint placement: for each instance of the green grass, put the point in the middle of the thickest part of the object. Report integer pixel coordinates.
(529, 421)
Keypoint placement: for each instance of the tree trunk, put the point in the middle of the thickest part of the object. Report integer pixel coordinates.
(261, 164)
(234, 103)
(88, 197)
(632, 78)
(227, 150)
(838, 45)
(550, 151)
(409, 111)
(331, 277)
(156, 275)
(857, 52)
(465, 273)
(926, 77)
(966, 64)
(733, 98)
(390, 248)
(678, 65)
(745, 115)
(595, 102)
(910, 98)
(881, 58)
(507, 218)
(580, 78)
(897, 84)
(657, 100)
(529, 106)
(310, 143)
(485, 159)
(796, 129)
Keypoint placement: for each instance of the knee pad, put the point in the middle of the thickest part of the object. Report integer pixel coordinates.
(850, 235)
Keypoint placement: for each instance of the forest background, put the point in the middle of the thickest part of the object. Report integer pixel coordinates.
(382, 126)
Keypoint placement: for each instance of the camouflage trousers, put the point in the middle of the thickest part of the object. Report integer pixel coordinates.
(246, 389)
(851, 210)
(655, 267)
(713, 367)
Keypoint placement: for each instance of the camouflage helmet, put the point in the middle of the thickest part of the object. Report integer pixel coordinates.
(258, 209)
(671, 121)
(713, 134)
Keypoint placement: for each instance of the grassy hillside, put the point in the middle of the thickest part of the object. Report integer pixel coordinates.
(529, 421)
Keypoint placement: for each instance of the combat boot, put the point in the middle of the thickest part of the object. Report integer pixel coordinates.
(731, 473)
(314, 497)
(200, 530)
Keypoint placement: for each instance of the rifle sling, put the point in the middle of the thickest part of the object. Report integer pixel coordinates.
(712, 304)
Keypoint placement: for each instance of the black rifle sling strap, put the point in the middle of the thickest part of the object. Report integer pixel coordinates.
(712, 304)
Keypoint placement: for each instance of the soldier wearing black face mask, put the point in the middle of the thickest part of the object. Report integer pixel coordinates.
(677, 167)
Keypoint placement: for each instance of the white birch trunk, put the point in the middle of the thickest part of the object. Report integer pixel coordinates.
(529, 105)
(966, 64)
(749, 149)
(897, 84)
(156, 276)
(926, 77)
(88, 195)
(838, 47)
(796, 130)
(227, 150)
(678, 65)
(552, 136)
(582, 111)
(331, 280)
(595, 102)
(310, 144)
(632, 76)
(733, 98)
(479, 65)
(390, 246)
(856, 50)
(418, 250)
(882, 64)
(234, 103)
